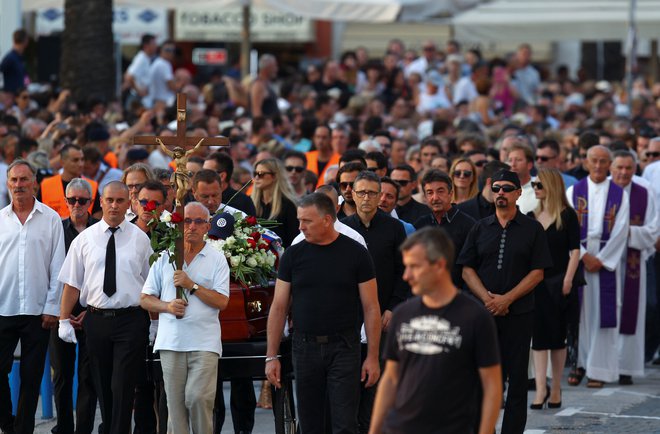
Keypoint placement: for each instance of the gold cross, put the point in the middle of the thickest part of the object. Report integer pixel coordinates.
(582, 210)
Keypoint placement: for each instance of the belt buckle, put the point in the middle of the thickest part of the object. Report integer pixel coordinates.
(322, 339)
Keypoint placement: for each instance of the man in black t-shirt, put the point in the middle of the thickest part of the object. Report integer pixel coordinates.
(328, 279)
(441, 349)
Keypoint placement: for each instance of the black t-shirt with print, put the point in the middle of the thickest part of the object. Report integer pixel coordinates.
(439, 352)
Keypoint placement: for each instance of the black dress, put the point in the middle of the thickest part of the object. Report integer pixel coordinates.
(287, 219)
(549, 331)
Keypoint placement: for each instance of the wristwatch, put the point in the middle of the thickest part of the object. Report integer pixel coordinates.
(194, 288)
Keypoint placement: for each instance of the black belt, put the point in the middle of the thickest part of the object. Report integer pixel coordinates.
(325, 339)
(111, 313)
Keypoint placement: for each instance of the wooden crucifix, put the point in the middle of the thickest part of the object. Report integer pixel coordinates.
(183, 147)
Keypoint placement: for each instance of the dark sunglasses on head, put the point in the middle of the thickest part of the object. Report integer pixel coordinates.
(481, 163)
(653, 154)
(297, 169)
(80, 200)
(537, 185)
(144, 202)
(543, 158)
(402, 182)
(462, 173)
(505, 188)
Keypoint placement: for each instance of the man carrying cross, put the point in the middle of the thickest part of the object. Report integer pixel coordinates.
(603, 213)
(640, 247)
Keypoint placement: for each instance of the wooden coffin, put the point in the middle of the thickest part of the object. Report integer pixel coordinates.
(247, 313)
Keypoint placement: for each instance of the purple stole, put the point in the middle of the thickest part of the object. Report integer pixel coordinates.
(607, 278)
(629, 310)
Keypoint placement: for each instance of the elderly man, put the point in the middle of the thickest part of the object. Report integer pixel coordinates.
(189, 347)
(117, 328)
(63, 354)
(31, 254)
(503, 260)
(603, 213)
(326, 305)
(52, 189)
(641, 246)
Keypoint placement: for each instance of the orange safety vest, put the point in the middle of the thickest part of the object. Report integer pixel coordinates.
(312, 164)
(52, 194)
(111, 160)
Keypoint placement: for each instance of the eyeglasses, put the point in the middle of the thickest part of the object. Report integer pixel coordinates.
(80, 200)
(543, 158)
(462, 173)
(190, 221)
(297, 169)
(537, 185)
(481, 163)
(134, 186)
(345, 184)
(24, 97)
(653, 154)
(505, 188)
(262, 174)
(402, 182)
(369, 193)
(372, 169)
(144, 202)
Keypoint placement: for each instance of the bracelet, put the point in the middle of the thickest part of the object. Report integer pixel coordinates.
(270, 359)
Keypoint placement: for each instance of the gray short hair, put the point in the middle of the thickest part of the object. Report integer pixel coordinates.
(600, 147)
(266, 60)
(79, 184)
(200, 206)
(21, 162)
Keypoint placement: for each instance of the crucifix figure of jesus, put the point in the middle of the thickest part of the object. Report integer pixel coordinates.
(183, 147)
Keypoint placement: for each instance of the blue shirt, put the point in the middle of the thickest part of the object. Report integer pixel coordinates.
(13, 71)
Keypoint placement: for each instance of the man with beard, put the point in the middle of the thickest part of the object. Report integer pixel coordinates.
(503, 281)
(345, 177)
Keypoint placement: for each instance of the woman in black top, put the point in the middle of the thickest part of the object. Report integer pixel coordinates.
(549, 333)
(275, 199)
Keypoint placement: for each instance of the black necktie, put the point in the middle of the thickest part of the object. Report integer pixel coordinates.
(110, 276)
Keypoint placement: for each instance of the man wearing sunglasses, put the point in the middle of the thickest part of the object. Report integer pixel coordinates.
(63, 354)
(407, 208)
(295, 164)
(52, 189)
(503, 260)
(548, 156)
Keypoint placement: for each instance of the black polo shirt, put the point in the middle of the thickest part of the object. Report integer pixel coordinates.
(70, 232)
(477, 207)
(383, 237)
(458, 225)
(241, 201)
(412, 211)
(502, 257)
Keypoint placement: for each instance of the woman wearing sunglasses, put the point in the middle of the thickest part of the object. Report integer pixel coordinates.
(463, 174)
(274, 198)
(550, 326)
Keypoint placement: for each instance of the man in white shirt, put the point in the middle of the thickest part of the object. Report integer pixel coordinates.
(31, 254)
(106, 268)
(162, 86)
(521, 160)
(189, 347)
(137, 74)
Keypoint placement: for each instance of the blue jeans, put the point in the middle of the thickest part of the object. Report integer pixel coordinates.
(331, 367)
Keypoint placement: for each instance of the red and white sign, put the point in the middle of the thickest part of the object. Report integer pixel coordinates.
(209, 56)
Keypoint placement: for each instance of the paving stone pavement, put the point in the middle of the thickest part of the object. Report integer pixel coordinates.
(614, 409)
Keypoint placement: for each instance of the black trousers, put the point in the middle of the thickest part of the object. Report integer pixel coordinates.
(116, 346)
(514, 333)
(34, 343)
(242, 402)
(63, 361)
(144, 411)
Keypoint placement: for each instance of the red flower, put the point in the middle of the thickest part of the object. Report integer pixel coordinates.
(252, 243)
(251, 220)
(150, 206)
(255, 235)
(176, 217)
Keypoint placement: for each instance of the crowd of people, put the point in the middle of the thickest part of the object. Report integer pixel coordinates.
(544, 186)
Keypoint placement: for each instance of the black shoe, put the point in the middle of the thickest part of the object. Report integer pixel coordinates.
(541, 405)
(555, 404)
(625, 380)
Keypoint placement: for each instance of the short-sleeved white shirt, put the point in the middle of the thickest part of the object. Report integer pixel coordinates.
(199, 329)
(84, 266)
(160, 72)
(139, 69)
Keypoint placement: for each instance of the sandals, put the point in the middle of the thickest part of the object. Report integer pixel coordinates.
(595, 384)
(575, 376)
